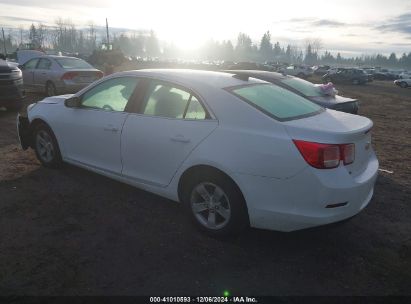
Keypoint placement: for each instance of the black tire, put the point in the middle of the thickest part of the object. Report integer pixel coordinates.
(46, 147)
(50, 89)
(238, 218)
(403, 84)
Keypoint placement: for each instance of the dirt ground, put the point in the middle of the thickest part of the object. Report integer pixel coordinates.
(72, 232)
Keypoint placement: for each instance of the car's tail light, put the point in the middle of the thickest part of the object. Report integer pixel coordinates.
(325, 156)
(69, 75)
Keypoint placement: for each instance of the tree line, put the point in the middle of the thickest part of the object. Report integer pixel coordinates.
(65, 36)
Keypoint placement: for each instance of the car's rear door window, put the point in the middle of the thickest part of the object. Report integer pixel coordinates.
(275, 101)
(195, 110)
(167, 100)
(44, 64)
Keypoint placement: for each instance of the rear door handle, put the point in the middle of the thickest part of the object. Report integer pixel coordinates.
(110, 128)
(180, 138)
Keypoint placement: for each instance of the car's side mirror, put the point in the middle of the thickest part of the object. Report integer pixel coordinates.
(21, 67)
(72, 102)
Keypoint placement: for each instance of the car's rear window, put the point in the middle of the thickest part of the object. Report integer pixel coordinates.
(304, 87)
(275, 101)
(73, 63)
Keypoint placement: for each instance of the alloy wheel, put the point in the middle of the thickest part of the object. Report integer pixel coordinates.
(210, 205)
(45, 147)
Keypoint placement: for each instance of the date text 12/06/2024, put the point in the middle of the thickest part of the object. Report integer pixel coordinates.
(223, 299)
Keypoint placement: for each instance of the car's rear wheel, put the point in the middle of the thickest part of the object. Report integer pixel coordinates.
(403, 84)
(46, 147)
(50, 89)
(215, 204)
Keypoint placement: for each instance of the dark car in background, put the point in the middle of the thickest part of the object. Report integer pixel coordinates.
(55, 75)
(11, 86)
(347, 76)
(303, 88)
(384, 74)
(321, 69)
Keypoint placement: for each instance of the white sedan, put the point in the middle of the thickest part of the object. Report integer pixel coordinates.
(236, 151)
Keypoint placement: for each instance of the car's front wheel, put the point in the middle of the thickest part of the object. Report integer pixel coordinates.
(403, 84)
(215, 204)
(46, 147)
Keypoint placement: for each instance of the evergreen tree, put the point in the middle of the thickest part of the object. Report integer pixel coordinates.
(266, 48)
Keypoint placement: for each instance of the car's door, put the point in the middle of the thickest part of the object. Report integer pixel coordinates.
(90, 134)
(41, 73)
(28, 72)
(171, 122)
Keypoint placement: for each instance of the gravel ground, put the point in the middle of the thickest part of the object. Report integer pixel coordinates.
(72, 232)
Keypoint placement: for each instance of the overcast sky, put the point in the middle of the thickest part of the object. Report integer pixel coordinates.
(350, 26)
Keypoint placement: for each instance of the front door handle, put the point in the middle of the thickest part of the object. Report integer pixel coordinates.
(180, 138)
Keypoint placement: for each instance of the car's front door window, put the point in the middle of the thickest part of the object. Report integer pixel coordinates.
(111, 95)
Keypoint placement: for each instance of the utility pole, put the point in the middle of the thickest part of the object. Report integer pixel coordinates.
(4, 44)
(108, 37)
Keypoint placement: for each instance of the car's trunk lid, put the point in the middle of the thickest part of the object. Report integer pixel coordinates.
(334, 127)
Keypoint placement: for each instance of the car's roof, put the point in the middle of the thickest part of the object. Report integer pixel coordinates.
(54, 57)
(58, 56)
(198, 78)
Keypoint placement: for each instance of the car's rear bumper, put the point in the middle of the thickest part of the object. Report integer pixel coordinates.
(311, 198)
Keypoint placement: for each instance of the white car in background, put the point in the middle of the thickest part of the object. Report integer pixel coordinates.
(236, 151)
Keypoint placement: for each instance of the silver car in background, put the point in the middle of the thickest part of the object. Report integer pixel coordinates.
(55, 75)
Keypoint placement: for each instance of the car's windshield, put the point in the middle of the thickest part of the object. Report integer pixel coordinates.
(73, 63)
(275, 101)
(304, 87)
